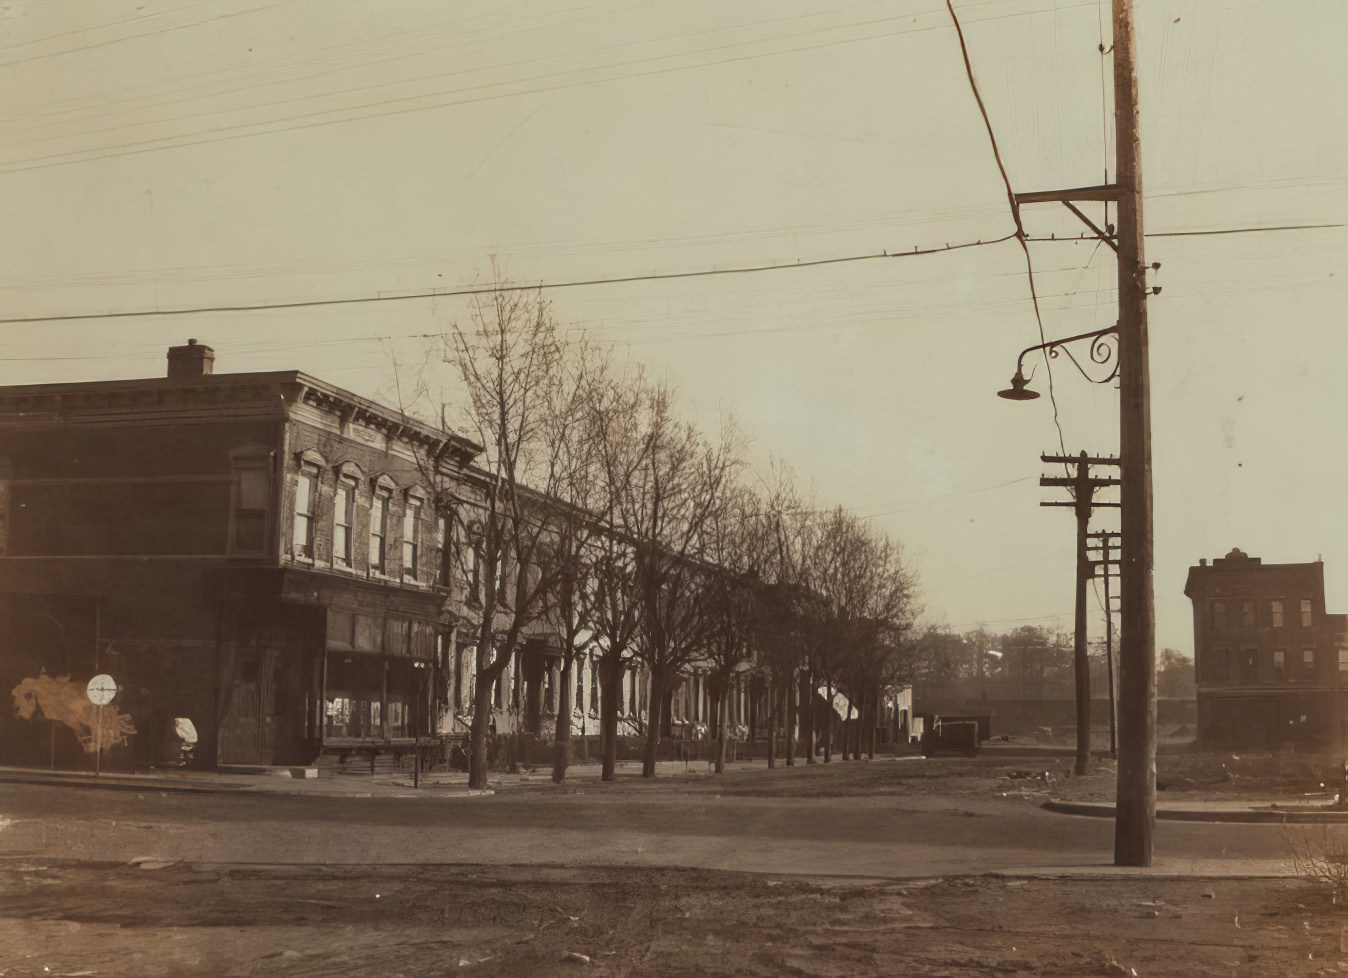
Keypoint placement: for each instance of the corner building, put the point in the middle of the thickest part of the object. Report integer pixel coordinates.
(1270, 661)
(255, 552)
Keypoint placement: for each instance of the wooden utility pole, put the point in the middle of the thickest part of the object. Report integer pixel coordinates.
(1082, 487)
(1135, 805)
(1106, 565)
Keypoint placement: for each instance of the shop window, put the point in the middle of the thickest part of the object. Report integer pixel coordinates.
(397, 719)
(1275, 614)
(1279, 664)
(250, 499)
(344, 522)
(411, 538)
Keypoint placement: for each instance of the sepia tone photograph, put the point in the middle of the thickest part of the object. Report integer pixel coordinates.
(592, 488)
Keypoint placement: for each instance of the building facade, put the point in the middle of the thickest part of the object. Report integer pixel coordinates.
(1270, 661)
(264, 559)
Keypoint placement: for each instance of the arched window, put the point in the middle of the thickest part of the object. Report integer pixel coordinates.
(305, 516)
(381, 508)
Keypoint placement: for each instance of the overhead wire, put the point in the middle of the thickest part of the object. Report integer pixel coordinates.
(1014, 205)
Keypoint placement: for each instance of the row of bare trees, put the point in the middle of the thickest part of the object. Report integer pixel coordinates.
(598, 520)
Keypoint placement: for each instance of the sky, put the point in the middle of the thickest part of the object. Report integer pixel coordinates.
(180, 155)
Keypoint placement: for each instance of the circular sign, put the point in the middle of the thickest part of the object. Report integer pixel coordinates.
(101, 689)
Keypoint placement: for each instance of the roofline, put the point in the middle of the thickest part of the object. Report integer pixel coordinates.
(467, 448)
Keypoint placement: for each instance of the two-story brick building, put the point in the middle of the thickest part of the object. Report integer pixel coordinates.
(254, 552)
(1270, 661)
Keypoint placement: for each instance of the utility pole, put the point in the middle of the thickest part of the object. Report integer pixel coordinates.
(1082, 487)
(1106, 564)
(1135, 806)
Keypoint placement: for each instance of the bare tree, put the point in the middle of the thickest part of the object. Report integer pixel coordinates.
(616, 428)
(737, 545)
(673, 493)
(510, 358)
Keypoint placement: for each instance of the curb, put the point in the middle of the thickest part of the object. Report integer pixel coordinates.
(115, 783)
(1267, 816)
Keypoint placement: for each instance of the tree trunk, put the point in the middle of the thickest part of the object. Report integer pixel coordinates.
(828, 722)
(789, 738)
(722, 711)
(477, 731)
(611, 689)
(808, 733)
(561, 748)
(875, 722)
(849, 731)
(770, 701)
(653, 719)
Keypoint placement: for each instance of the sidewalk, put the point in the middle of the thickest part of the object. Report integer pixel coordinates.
(454, 784)
(1279, 811)
(293, 781)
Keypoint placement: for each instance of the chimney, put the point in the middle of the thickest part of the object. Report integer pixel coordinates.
(192, 360)
(1202, 561)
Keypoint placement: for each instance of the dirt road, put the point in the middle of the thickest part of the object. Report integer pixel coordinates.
(946, 869)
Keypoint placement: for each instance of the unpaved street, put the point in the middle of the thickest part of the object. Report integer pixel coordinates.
(948, 868)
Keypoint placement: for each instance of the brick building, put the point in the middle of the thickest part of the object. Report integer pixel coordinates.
(254, 552)
(1269, 660)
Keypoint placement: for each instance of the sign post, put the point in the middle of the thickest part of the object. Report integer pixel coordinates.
(102, 690)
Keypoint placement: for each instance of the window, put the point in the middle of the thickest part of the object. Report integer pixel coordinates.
(442, 552)
(1308, 662)
(1275, 614)
(579, 705)
(1279, 664)
(411, 541)
(517, 688)
(1219, 615)
(1343, 661)
(1221, 665)
(1249, 665)
(306, 497)
(250, 494)
(1305, 612)
(379, 507)
(1247, 614)
(343, 522)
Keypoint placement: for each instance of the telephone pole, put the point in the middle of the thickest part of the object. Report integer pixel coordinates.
(1135, 805)
(1082, 487)
(1105, 541)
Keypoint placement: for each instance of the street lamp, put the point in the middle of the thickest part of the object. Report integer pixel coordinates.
(1103, 351)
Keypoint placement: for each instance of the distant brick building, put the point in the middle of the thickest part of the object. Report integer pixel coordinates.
(1270, 662)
